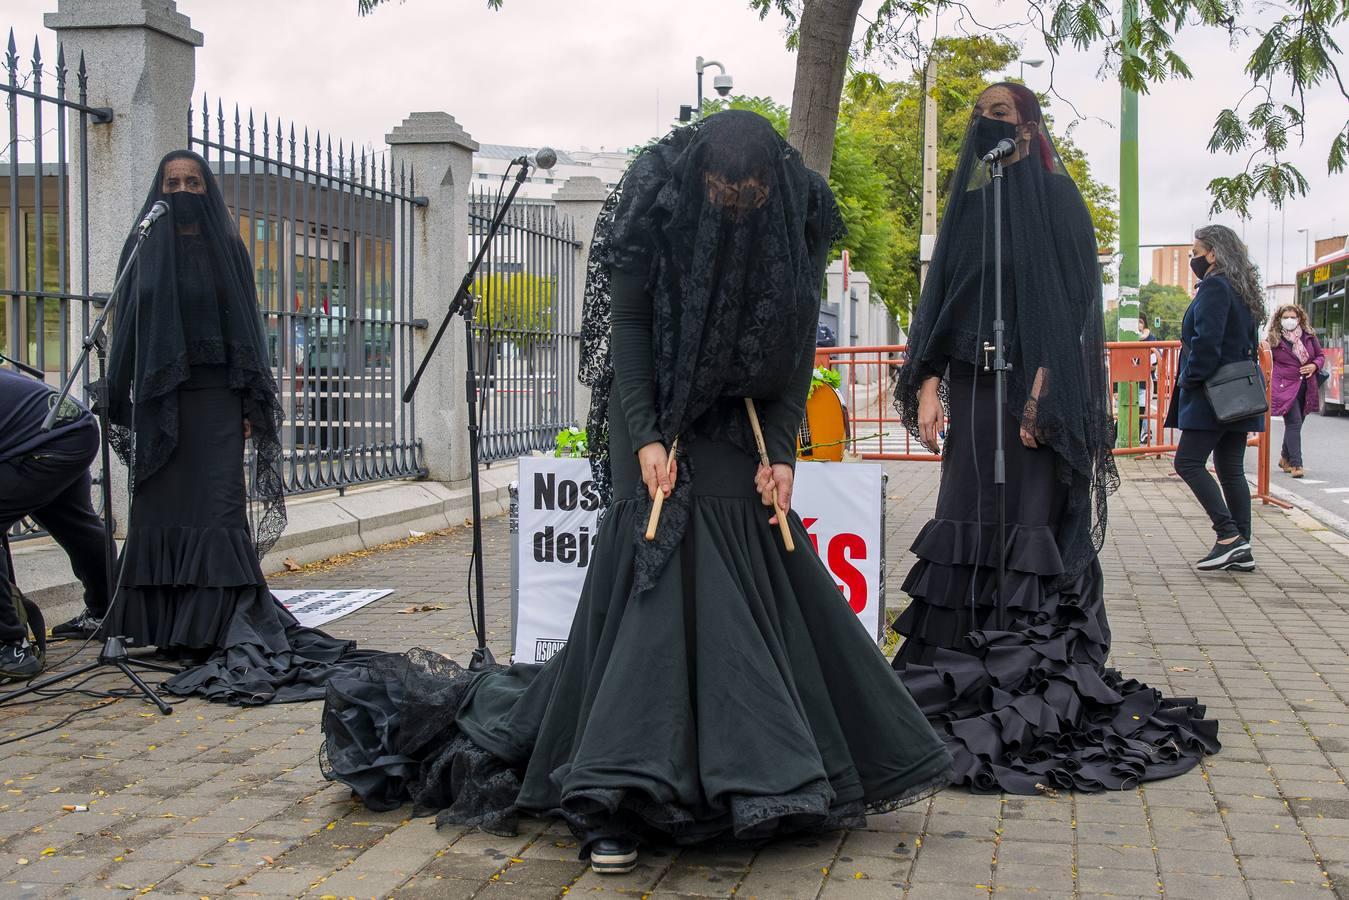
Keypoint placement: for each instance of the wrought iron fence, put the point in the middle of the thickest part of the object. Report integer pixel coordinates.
(44, 297)
(330, 236)
(525, 327)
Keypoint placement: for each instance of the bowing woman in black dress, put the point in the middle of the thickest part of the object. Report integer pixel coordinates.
(189, 382)
(1032, 704)
(712, 683)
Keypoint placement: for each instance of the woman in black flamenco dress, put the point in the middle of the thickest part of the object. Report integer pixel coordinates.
(189, 384)
(1030, 706)
(713, 685)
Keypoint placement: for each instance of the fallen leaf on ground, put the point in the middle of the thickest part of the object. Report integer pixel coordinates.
(1181, 669)
(291, 565)
(426, 607)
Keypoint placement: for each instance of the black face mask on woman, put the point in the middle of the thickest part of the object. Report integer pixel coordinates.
(989, 132)
(1199, 265)
(188, 208)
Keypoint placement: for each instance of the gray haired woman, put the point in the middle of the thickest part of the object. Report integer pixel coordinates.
(1219, 328)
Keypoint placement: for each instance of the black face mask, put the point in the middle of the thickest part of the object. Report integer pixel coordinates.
(989, 132)
(1199, 265)
(188, 208)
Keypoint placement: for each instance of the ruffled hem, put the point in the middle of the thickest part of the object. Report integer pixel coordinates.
(179, 556)
(191, 618)
(1033, 706)
(445, 773)
(1030, 548)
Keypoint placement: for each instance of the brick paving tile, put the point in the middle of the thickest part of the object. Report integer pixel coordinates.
(219, 801)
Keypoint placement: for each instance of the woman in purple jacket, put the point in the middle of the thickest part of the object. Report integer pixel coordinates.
(1294, 391)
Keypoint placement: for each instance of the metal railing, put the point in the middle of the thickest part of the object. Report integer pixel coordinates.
(43, 297)
(330, 236)
(868, 384)
(526, 340)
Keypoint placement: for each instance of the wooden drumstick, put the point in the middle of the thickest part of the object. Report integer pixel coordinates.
(660, 496)
(763, 457)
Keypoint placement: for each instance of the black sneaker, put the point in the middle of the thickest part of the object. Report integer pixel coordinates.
(1222, 554)
(613, 856)
(1240, 562)
(85, 625)
(19, 662)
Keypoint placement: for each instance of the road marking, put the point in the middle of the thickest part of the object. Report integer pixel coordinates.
(1336, 490)
(1311, 481)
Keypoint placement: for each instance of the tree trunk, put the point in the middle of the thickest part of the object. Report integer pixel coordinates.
(824, 35)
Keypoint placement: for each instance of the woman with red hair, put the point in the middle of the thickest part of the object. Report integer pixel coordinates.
(1015, 678)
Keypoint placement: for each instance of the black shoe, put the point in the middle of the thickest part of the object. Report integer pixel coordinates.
(85, 625)
(1222, 554)
(613, 856)
(19, 661)
(1240, 562)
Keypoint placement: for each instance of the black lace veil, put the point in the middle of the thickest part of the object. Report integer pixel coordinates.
(722, 217)
(191, 301)
(1057, 387)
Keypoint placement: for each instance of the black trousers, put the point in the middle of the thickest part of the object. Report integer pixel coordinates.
(1228, 508)
(1292, 428)
(54, 489)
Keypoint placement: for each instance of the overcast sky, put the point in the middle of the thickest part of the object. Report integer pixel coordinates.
(612, 73)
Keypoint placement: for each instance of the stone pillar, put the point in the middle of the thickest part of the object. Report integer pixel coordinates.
(581, 199)
(439, 154)
(141, 60)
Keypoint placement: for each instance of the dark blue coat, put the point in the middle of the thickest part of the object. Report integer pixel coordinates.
(1217, 330)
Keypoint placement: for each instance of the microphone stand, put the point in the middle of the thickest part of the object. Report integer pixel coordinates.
(114, 648)
(463, 304)
(1000, 369)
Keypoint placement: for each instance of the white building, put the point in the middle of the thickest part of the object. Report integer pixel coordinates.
(492, 160)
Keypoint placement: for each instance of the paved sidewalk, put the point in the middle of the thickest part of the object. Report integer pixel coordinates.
(215, 801)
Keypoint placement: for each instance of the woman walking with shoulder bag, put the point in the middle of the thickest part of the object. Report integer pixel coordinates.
(1220, 394)
(1294, 388)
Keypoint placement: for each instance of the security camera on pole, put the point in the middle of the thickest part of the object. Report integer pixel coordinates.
(721, 83)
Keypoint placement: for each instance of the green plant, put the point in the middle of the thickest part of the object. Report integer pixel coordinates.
(822, 376)
(571, 443)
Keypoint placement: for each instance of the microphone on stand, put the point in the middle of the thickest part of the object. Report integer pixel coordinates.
(1006, 147)
(156, 213)
(542, 158)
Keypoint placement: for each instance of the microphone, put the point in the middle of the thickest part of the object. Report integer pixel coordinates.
(542, 158)
(155, 214)
(1004, 149)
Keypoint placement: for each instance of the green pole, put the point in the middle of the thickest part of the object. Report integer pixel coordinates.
(1127, 326)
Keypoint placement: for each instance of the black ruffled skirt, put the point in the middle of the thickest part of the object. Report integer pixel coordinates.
(738, 697)
(189, 578)
(1032, 706)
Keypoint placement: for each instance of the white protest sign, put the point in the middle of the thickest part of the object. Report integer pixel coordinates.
(316, 606)
(840, 505)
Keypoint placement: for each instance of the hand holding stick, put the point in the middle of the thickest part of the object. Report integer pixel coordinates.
(657, 503)
(763, 458)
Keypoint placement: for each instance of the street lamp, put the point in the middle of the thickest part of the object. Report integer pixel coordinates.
(1033, 63)
(721, 83)
(1306, 246)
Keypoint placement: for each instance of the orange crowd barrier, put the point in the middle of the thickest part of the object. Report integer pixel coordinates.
(875, 431)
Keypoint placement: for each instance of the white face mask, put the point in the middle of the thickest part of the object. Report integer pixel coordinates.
(1288, 323)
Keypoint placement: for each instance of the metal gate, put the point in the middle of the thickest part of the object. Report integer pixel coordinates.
(525, 327)
(43, 297)
(330, 236)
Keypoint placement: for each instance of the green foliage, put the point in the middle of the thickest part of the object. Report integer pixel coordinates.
(1166, 302)
(517, 307)
(1295, 51)
(571, 443)
(823, 376)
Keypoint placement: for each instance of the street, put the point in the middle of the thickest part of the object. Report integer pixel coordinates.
(1325, 456)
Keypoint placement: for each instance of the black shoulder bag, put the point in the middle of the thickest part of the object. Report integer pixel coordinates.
(1237, 390)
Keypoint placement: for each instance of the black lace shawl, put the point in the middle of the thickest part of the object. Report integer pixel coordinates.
(191, 301)
(1053, 310)
(722, 216)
